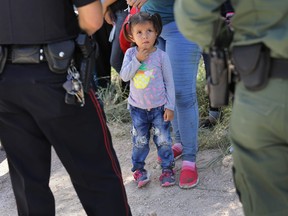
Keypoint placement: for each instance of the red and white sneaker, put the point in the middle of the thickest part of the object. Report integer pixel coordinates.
(188, 178)
(177, 150)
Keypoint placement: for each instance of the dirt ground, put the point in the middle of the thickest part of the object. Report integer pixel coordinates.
(214, 196)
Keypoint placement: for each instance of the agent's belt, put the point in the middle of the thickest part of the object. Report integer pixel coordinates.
(58, 55)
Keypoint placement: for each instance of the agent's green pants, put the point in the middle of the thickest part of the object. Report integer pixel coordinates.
(259, 133)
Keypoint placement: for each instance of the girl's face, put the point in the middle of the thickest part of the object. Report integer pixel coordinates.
(144, 35)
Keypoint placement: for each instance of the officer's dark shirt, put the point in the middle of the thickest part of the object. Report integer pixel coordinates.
(119, 5)
(38, 21)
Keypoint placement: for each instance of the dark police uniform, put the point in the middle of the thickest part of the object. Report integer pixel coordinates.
(34, 117)
(259, 129)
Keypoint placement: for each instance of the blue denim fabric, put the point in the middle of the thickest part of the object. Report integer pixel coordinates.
(144, 122)
(184, 56)
(117, 55)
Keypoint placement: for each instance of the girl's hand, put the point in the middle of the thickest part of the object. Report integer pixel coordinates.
(136, 3)
(168, 115)
(142, 54)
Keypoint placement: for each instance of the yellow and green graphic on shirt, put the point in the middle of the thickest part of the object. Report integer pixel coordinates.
(142, 77)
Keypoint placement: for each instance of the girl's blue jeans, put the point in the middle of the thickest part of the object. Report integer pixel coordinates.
(146, 123)
(184, 56)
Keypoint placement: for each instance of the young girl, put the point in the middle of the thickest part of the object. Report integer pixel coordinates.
(152, 97)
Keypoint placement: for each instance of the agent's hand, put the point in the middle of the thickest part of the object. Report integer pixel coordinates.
(142, 54)
(109, 16)
(168, 115)
(136, 3)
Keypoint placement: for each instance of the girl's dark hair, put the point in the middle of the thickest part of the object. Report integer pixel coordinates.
(142, 17)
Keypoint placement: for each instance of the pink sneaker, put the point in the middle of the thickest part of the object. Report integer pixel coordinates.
(167, 178)
(188, 178)
(176, 151)
(142, 177)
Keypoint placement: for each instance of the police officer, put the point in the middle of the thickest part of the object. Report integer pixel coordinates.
(34, 115)
(259, 131)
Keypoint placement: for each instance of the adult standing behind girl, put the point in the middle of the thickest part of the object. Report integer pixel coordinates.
(184, 56)
(152, 97)
(115, 12)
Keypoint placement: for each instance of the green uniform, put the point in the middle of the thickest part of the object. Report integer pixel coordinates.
(259, 121)
(254, 21)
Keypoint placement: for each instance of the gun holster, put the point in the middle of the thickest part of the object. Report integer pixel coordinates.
(89, 52)
(3, 58)
(218, 81)
(59, 55)
(253, 63)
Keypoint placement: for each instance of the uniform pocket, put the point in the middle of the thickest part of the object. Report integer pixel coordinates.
(255, 103)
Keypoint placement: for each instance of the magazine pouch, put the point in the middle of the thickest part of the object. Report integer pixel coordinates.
(252, 62)
(59, 55)
(25, 54)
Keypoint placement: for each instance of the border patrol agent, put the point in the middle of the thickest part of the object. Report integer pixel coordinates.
(259, 129)
(34, 115)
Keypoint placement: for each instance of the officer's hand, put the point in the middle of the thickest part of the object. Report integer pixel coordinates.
(109, 16)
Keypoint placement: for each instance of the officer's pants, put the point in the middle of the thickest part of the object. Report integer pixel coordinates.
(34, 117)
(259, 132)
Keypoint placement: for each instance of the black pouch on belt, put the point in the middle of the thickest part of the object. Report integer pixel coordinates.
(59, 55)
(3, 57)
(253, 64)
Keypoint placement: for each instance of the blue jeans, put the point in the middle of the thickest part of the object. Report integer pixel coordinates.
(117, 54)
(144, 122)
(184, 56)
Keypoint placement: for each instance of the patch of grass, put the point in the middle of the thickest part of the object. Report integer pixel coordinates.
(202, 97)
(114, 99)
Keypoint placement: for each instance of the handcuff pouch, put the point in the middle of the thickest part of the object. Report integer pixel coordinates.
(59, 55)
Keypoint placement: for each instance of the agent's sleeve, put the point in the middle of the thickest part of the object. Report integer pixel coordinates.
(130, 65)
(169, 82)
(196, 19)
